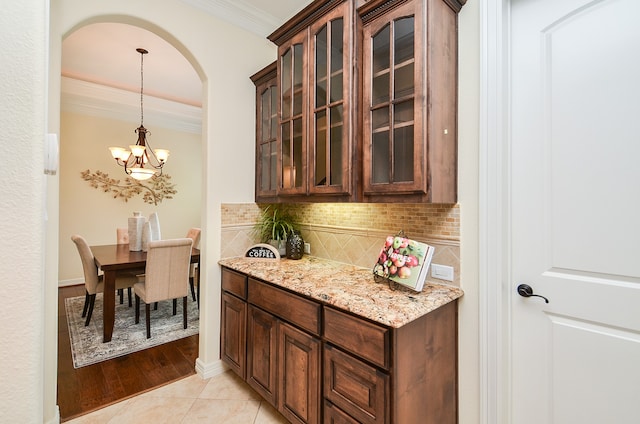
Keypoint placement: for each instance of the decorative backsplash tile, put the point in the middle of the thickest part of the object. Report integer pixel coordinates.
(353, 233)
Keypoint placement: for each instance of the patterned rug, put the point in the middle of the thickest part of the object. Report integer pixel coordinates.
(86, 342)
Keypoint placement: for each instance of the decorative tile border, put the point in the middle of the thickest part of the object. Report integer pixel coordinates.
(354, 233)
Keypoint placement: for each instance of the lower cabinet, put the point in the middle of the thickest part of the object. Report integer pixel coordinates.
(298, 375)
(283, 366)
(317, 364)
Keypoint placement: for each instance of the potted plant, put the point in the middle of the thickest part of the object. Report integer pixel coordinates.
(274, 225)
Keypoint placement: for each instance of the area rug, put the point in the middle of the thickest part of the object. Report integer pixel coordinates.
(86, 342)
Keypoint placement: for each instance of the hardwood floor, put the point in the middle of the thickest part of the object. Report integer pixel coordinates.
(92, 387)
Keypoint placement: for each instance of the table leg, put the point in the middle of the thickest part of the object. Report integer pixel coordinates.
(109, 305)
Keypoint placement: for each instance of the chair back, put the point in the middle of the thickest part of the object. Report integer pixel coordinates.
(194, 234)
(89, 266)
(167, 271)
(122, 235)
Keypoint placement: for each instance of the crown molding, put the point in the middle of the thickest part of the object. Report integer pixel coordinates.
(99, 100)
(239, 13)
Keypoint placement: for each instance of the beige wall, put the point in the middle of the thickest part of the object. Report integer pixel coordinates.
(94, 214)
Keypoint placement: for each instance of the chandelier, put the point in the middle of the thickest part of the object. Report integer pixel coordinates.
(140, 161)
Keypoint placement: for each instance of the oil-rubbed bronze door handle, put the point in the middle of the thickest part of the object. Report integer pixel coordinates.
(525, 290)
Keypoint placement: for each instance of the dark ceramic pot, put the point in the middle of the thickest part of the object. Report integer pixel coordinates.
(295, 245)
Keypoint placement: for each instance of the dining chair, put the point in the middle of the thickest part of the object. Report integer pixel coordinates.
(122, 237)
(93, 283)
(193, 234)
(165, 277)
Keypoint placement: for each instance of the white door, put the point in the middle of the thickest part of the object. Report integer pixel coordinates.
(575, 211)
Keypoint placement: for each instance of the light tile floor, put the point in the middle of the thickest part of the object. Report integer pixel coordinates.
(221, 399)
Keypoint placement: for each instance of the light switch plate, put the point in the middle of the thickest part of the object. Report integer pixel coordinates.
(307, 248)
(442, 272)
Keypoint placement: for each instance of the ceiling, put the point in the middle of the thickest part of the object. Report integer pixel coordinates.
(104, 54)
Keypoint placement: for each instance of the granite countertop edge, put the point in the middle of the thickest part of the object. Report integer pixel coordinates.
(347, 287)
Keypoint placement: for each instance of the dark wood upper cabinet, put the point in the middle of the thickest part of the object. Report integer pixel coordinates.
(316, 57)
(409, 100)
(267, 126)
(366, 97)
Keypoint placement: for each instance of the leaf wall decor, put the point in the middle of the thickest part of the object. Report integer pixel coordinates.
(153, 191)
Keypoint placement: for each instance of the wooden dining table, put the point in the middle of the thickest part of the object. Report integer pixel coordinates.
(115, 258)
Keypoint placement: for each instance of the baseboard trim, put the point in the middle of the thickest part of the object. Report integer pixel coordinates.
(56, 417)
(72, 282)
(210, 369)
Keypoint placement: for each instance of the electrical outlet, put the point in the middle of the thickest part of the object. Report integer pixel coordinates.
(307, 248)
(442, 272)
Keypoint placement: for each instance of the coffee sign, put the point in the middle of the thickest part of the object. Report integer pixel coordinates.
(262, 251)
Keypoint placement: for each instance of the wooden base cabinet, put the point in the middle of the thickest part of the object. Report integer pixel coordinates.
(299, 375)
(318, 364)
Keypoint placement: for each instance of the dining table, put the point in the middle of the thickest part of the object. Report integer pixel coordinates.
(117, 258)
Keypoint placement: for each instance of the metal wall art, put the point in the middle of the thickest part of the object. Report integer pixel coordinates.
(153, 191)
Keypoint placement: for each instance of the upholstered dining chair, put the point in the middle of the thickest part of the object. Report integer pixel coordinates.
(122, 237)
(165, 277)
(193, 234)
(93, 283)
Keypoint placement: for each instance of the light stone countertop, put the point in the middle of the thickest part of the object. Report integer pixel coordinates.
(347, 287)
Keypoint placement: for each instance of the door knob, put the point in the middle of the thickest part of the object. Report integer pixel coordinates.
(525, 290)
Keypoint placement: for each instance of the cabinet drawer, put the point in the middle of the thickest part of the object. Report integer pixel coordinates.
(365, 339)
(234, 282)
(290, 307)
(333, 415)
(357, 388)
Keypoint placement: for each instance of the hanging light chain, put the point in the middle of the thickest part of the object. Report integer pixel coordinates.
(142, 53)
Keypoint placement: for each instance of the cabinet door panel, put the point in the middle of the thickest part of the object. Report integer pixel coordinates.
(292, 156)
(393, 65)
(357, 388)
(299, 372)
(232, 336)
(266, 82)
(331, 90)
(261, 353)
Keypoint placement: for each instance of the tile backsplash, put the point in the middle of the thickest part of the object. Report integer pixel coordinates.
(353, 233)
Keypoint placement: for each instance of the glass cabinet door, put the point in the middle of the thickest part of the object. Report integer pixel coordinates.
(266, 82)
(292, 121)
(330, 84)
(393, 131)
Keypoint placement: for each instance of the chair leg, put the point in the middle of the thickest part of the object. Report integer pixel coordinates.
(184, 311)
(129, 294)
(155, 306)
(147, 311)
(121, 293)
(175, 306)
(92, 301)
(86, 304)
(193, 290)
(137, 309)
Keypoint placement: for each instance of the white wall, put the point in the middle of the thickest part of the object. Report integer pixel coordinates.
(23, 84)
(94, 214)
